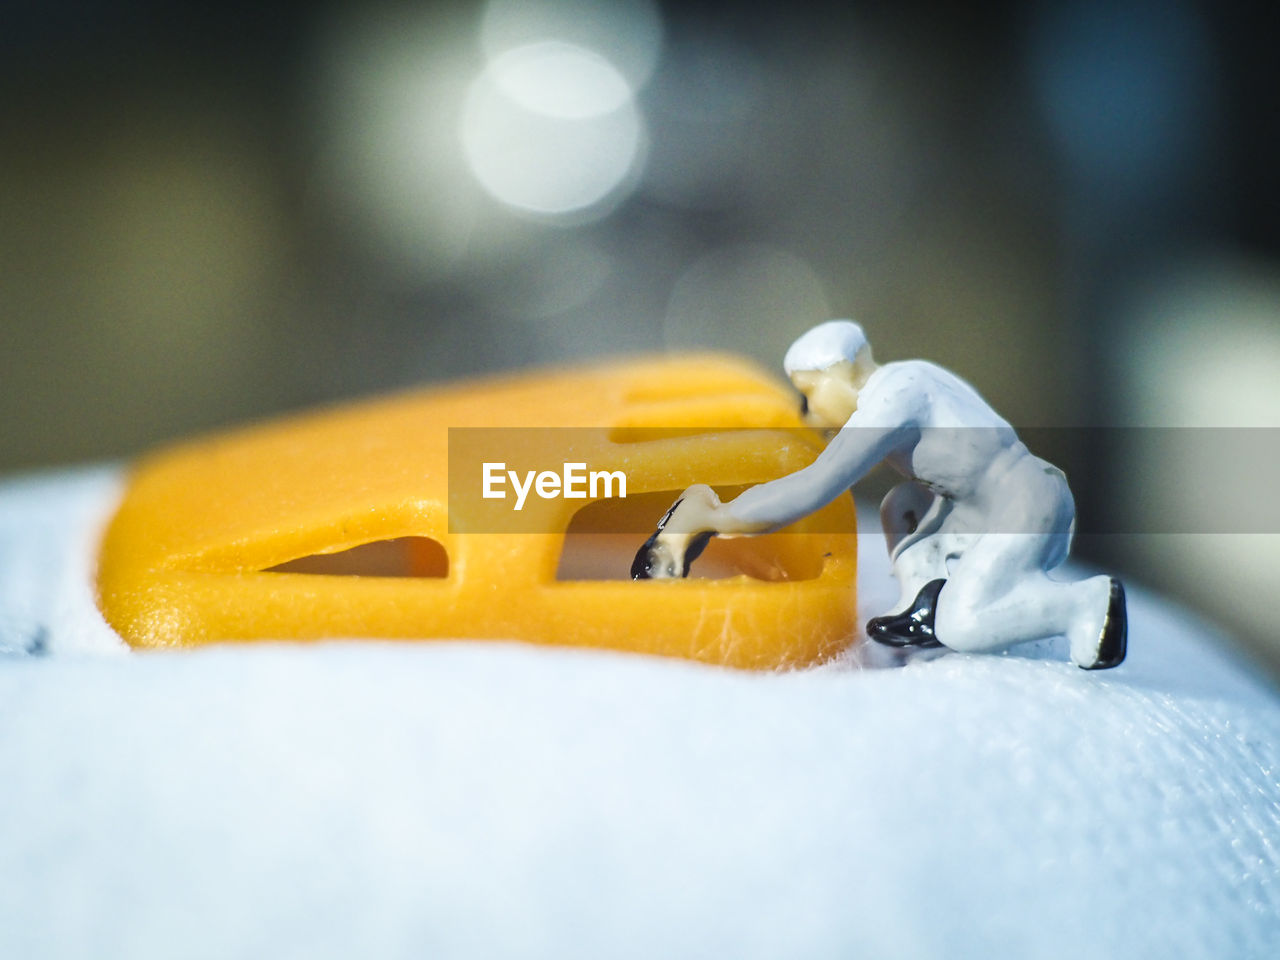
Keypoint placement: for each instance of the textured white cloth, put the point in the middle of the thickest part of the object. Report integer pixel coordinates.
(488, 800)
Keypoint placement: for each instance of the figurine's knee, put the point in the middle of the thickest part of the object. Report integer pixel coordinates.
(958, 620)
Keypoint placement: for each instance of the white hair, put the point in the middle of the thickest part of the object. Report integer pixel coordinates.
(824, 346)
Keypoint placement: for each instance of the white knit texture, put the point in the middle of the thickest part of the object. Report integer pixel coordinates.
(488, 800)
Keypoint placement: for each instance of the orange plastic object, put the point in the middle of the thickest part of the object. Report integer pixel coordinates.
(339, 524)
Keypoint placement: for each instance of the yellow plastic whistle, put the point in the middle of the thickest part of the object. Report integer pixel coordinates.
(395, 518)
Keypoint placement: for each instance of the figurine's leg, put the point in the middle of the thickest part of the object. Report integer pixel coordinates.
(1000, 595)
(1000, 592)
(914, 523)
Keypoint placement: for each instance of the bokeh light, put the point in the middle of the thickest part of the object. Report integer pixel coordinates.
(552, 128)
(387, 85)
(628, 33)
(1127, 89)
(1203, 349)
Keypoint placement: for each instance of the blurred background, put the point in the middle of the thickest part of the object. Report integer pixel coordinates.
(219, 211)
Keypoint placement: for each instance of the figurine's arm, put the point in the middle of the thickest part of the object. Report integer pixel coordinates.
(847, 459)
(699, 514)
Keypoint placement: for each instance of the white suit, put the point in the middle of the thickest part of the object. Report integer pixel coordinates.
(977, 509)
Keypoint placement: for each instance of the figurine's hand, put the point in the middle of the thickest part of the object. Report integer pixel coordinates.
(680, 538)
(696, 511)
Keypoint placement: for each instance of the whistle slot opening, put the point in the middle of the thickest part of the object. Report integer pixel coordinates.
(602, 539)
(398, 557)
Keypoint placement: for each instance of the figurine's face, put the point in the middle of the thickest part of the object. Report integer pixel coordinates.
(830, 395)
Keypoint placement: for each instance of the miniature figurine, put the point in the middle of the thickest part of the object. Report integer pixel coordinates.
(972, 532)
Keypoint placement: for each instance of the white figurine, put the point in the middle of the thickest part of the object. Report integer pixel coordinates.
(972, 532)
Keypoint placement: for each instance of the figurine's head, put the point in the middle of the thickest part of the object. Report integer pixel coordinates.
(829, 365)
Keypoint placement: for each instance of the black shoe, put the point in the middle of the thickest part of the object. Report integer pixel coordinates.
(1113, 641)
(914, 626)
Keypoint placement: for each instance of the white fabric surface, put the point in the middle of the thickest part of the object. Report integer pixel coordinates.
(488, 800)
